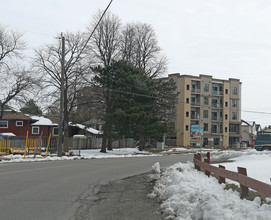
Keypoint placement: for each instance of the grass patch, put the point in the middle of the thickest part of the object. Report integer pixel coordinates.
(251, 194)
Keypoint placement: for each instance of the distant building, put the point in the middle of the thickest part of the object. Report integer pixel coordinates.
(258, 129)
(248, 131)
(213, 106)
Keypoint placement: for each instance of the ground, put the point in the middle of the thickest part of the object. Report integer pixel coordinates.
(125, 199)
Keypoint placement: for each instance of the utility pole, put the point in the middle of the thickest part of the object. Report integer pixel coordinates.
(61, 121)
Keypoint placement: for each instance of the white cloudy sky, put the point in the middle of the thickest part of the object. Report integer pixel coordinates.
(226, 39)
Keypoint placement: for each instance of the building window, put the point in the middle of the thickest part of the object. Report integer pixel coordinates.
(214, 116)
(187, 114)
(205, 141)
(206, 101)
(206, 87)
(187, 87)
(226, 129)
(19, 123)
(226, 91)
(35, 130)
(205, 113)
(215, 103)
(215, 90)
(3, 124)
(214, 129)
(226, 104)
(234, 115)
(234, 103)
(205, 128)
(216, 141)
(187, 100)
(186, 128)
(226, 116)
(233, 128)
(234, 90)
(55, 131)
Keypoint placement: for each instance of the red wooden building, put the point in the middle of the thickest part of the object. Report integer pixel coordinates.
(19, 124)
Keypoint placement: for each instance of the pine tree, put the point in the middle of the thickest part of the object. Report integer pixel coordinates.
(136, 105)
(31, 108)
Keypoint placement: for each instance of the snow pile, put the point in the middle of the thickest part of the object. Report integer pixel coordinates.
(230, 154)
(182, 149)
(189, 194)
(84, 154)
(156, 168)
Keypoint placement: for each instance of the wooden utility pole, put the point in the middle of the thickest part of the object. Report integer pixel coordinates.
(61, 121)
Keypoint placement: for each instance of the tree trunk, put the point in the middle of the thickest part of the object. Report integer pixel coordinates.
(103, 148)
(109, 145)
(141, 143)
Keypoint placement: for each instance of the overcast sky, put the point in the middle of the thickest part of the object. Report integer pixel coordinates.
(226, 39)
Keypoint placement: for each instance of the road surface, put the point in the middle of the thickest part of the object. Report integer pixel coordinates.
(54, 189)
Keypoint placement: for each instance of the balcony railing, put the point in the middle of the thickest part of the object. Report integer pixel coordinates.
(217, 92)
(195, 103)
(193, 117)
(195, 90)
(215, 105)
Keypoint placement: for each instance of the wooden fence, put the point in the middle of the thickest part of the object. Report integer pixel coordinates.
(240, 176)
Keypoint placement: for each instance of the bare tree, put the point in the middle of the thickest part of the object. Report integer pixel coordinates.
(11, 47)
(47, 62)
(15, 82)
(105, 43)
(135, 43)
(139, 46)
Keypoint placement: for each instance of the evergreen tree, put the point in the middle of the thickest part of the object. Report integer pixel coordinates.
(31, 108)
(135, 105)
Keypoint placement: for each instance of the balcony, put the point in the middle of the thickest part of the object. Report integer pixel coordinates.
(195, 90)
(195, 103)
(215, 105)
(195, 117)
(217, 93)
(217, 118)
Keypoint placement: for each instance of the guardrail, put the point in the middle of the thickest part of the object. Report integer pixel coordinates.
(240, 176)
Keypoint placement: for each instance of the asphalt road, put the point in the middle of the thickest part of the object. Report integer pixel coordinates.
(53, 190)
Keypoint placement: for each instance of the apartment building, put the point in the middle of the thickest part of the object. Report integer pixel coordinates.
(212, 105)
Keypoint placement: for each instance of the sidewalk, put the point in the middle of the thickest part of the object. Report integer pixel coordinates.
(125, 199)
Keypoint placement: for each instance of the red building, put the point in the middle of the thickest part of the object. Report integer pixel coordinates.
(19, 124)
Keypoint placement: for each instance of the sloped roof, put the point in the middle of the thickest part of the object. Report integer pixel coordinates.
(16, 116)
(249, 123)
(90, 130)
(42, 121)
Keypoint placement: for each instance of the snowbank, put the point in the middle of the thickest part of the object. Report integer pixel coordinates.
(189, 194)
(85, 154)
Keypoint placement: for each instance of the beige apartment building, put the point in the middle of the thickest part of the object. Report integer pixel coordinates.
(212, 105)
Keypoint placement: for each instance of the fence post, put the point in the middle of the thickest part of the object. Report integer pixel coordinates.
(197, 157)
(220, 178)
(208, 162)
(244, 189)
(208, 155)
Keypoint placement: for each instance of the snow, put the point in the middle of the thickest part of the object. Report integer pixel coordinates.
(256, 163)
(84, 154)
(189, 194)
(8, 134)
(42, 121)
(156, 168)
(90, 130)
